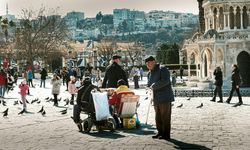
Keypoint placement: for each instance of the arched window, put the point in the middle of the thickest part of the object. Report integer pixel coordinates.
(245, 17)
(221, 19)
(238, 17)
(231, 16)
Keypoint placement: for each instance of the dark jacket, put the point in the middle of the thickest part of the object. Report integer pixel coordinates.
(218, 78)
(236, 77)
(114, 73)
(43, 74)
(159, 81)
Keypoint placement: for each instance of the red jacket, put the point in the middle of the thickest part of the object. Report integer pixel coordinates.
(3, 78)
(115, 98)
(23, 89)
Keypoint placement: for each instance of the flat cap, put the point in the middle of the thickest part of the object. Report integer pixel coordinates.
(150, 58)
(116, 57)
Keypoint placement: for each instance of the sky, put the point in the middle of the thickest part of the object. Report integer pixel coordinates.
(92, 7)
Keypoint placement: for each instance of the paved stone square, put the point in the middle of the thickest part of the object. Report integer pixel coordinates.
(214, 126)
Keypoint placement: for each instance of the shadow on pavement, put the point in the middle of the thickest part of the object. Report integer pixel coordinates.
(106, 134)
(143, 130)
(187, 146)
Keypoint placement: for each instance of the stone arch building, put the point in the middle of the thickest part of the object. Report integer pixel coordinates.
(224, 39)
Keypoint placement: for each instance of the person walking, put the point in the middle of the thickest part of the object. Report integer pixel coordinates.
(56, 84)
(218, 84)
(141, 73)
(23, 92)
(114, 72)
(44, 74)
(235, 79)
(181, 72)
(174, 78)
(159, 82)
(72, 89)
(30, 77)
(3, 82)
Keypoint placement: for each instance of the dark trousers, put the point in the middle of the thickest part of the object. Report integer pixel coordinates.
(163, 119)
(232, 92)
(136, 82)
(30, 82)
(55, 99)
(42, 82)
(218, 91)
(76, 113)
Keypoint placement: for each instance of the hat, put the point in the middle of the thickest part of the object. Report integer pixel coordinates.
(116, 57)
(150, 58)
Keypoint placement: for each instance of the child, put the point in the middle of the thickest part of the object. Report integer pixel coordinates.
(72, 88)
(56, 84)
(23, 91)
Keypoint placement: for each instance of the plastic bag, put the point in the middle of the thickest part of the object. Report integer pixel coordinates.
(101, 105)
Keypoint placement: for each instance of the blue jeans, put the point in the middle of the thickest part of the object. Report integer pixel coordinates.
(2, 90)
(42, 81)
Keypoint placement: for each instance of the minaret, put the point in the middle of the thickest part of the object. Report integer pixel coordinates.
(201, 16)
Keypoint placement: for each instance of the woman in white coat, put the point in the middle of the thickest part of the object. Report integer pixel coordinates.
(56, 84)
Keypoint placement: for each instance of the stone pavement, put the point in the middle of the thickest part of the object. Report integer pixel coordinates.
(214, 126)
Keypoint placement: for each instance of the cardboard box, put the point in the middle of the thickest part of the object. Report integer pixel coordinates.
(129, 123)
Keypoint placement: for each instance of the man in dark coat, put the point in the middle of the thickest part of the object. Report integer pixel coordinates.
(44, 74)
(114, 72)
(218, 84)
(159, 82)
(235, 79)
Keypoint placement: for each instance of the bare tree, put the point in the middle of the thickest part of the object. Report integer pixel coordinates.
(40, 36)
(134, 51)
(106, 50)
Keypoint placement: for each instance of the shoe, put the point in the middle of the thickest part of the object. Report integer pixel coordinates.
(79, 125)
(240, 103)
(156, 136)
(164, 138)
(220, 101)
(228, 101)
(213, 100)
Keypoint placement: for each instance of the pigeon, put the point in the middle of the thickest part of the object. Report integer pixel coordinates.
(189, 98)
(15, 103)
(180, 106)
(27, 101)
(20, 102)
(67, 102)
(146, 98)
(38, 102)
(41, 110)
(47, 98)
(44, 113)
(21, 112)
(33, 101)
(5, 113)
(200, 106)
(4, 103)
(64, 111)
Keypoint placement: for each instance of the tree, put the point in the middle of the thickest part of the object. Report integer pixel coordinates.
(7, 29)
(106, 50)
(40, 36)
(99, 16)
(168, 53)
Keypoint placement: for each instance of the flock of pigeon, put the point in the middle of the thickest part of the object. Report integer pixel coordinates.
(42, 110)
(181, 105)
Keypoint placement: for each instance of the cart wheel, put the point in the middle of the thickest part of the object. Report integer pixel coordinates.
(87, 125)
(111, 124)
